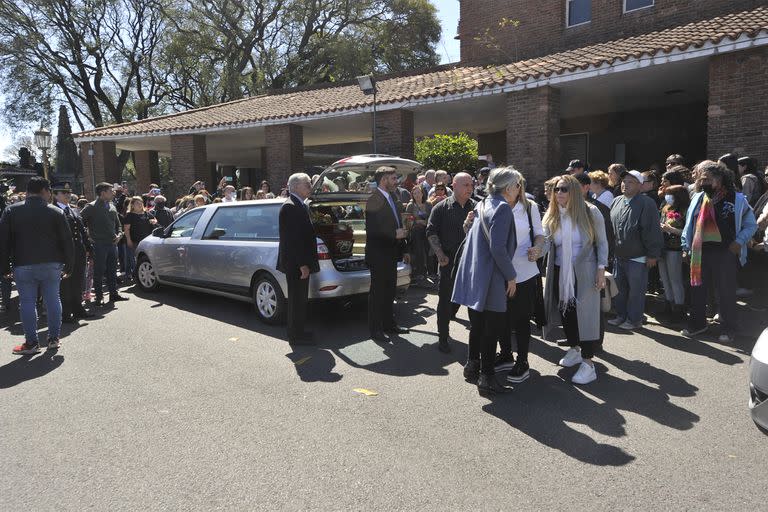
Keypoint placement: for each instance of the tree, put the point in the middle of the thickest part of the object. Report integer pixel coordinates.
(247, 47)
(453, 153)
(98, 56)
(67, 161)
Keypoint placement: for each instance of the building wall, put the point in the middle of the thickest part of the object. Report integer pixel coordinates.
(649, 135)
(737, 113)
(542, 29)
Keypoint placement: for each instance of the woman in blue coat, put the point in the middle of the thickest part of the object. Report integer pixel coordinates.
(485, 277)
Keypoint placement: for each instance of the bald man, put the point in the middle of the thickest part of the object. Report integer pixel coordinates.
(445, 232)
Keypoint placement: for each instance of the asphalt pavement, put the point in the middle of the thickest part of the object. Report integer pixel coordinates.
(182, 401)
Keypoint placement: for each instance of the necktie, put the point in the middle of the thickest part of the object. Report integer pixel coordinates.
(394, 209)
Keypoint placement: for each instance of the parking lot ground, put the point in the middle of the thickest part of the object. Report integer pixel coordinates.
(182, 401)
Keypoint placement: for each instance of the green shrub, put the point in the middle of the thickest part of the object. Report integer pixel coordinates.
(453, 153)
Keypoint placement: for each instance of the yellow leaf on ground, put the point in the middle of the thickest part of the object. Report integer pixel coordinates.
(366, 392)
(233, 339)
(302, 360)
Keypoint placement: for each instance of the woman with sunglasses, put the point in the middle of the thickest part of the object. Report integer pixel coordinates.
(578, 253)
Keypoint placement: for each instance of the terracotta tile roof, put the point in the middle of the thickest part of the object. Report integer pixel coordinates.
(445, 80)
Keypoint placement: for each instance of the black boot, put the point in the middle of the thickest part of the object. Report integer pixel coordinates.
(488, 385)
(472, 370)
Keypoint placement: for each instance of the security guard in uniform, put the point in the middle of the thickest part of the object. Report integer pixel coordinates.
(72, 288)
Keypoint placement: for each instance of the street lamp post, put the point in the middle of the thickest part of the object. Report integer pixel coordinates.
(367, 84)
(43, 142)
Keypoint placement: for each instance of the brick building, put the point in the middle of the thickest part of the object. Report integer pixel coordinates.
(538, 83)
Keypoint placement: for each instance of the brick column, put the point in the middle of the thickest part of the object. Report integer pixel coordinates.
(188, 163)
(737, 120)
(99, 167)
(394, 133)
(147, 170)
(284, 152)
(533, 133)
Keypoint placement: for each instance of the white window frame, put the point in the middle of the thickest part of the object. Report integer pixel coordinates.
(653, 3)
(568, 15)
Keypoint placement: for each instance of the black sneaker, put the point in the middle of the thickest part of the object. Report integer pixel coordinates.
(519, 373)
(54, 344)
(504, 362)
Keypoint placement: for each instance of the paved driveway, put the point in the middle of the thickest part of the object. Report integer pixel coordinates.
(180, 401)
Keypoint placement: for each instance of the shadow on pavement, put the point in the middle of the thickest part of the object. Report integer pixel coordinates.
(27, 368)
(543, 407)
(541, 412)
(314, 364)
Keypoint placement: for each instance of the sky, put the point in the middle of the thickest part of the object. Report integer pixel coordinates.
(448, 49)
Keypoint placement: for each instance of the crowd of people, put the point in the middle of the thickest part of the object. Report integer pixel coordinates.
(589, 241)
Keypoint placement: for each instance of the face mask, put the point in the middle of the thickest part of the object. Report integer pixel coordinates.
(708, 189)
(669, 199)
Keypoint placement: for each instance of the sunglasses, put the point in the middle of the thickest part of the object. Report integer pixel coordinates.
(557, 190)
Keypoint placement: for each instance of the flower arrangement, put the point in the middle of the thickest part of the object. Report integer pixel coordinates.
(673, 216)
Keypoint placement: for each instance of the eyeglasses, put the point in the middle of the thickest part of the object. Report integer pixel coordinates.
(557, 190)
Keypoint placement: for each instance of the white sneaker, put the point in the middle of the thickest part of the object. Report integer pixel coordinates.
(716, 318)
(571, 358)
(616, 321)
(629, 326)
(585, 374)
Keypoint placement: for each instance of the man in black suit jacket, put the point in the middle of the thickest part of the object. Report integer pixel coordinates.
(297, 254)
(385, 245)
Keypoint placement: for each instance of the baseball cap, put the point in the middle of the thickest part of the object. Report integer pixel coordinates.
(635, 174)
(575, 164)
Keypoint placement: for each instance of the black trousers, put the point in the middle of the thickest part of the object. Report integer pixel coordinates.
(71, 290)
(719, 272)
(518, 317)
(381, 310)
(485, 329)
(445, 308)
(298, 292)
(570, 323)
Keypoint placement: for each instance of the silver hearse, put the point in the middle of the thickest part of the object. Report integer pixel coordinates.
(230, 249)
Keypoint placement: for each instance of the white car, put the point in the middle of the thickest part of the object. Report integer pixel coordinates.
(758, 383)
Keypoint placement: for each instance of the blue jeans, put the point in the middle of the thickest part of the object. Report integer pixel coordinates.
(46, 279)
(129, 263)
(104, 261)
(632, 282)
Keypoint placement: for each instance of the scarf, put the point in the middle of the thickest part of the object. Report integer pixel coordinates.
(566, 285)
(706, 231)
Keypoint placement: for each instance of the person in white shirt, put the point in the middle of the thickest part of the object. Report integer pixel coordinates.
(528, 249)
(230, 194)
(600, 187)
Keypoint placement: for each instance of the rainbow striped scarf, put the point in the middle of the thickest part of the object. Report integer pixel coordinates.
(706, 231)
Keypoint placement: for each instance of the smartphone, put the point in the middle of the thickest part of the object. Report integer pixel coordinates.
(228, 179)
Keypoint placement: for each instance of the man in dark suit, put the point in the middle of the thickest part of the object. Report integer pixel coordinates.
(385, 245)
(72, 289)
(297, 255)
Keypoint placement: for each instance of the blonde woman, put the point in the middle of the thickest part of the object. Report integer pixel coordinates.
(578, 253)
(138, 226)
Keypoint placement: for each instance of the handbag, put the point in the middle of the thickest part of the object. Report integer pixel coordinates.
(539, 311)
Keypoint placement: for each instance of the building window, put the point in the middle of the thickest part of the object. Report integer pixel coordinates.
(578, 12)
(634, 5)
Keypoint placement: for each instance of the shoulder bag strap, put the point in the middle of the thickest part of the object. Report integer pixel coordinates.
(486, 231)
